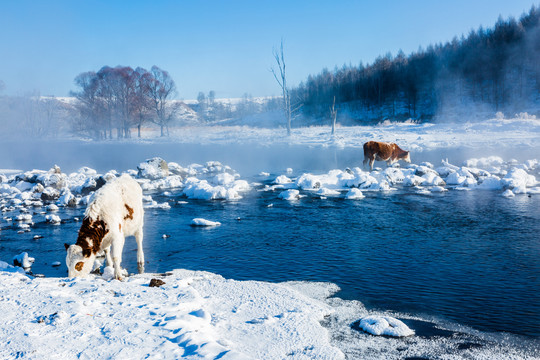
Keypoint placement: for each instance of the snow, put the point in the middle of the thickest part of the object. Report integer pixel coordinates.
(490, 133)
(290, 195)
(385, 325)
(53, 219)
(354, 194)
(202, 315)
(193, 315)
(204, 222)
(23, 260)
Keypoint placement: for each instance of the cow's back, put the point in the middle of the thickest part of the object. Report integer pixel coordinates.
(379, 149)
(119, 202)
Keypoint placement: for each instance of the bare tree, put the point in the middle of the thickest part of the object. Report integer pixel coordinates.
(281, 79)
(333, 115)
(141, 106)
(161, 91)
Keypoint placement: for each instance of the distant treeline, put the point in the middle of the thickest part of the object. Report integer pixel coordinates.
(121, 98)
(498, 68)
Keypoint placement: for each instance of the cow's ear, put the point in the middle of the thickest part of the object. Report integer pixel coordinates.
(66, 246)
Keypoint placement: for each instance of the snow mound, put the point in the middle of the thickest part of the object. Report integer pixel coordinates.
(290, 195)
(53, 219)
(385, 325)
(23, 260)
(354, 194)
(155, 168)
(204, 222)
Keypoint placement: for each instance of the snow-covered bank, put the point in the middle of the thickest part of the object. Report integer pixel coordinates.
(199, 315)
(193, 315)
(523, 130)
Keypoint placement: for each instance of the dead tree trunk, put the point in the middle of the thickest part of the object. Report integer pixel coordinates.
(333, 114)
(282, 81)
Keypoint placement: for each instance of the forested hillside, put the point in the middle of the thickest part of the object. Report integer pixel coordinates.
(488, 70)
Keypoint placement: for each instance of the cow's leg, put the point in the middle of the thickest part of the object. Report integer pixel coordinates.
(140, 253)
(371, 161)
(107, 251)
(365, 162)
(117, 247)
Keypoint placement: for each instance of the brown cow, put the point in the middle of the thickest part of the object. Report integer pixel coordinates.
(383, 151)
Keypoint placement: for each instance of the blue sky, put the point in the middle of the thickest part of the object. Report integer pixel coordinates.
(225, 46)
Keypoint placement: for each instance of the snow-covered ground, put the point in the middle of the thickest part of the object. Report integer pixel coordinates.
(199, 315)
(203, 315)
(523, 130)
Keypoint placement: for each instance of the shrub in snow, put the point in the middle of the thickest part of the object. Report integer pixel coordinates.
(155, 168)
(291, 194)
(385, 325)
(204, 222)
(354, 194)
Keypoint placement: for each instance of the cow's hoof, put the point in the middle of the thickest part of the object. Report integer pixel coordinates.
(140, 267)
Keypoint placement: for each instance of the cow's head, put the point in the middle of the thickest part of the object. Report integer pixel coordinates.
(78, 263)
(407, 156)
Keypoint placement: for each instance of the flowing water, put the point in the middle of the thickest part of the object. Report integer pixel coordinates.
(468, 257)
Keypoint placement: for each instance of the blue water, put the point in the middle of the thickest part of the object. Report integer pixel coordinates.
(468, 257)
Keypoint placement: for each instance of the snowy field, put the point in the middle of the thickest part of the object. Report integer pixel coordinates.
(523, 130)
(202, 315)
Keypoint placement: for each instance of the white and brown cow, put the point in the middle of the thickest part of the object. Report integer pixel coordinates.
(384, 151)
(115, 211)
